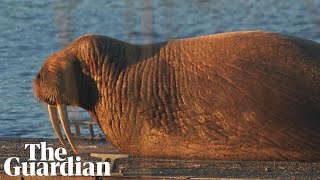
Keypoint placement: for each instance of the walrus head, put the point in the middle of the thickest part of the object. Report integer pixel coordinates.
(69, 78)
(59, 83)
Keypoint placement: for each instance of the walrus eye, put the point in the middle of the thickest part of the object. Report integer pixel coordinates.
(39, 77)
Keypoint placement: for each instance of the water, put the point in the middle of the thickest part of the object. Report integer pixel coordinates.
(31, 30)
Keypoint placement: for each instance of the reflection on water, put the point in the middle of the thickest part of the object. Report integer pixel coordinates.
(30, 31)
(63, 15)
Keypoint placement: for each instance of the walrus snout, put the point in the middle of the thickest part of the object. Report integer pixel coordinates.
(57, 85)
(50, 96)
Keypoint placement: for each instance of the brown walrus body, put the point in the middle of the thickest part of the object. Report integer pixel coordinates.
(245, 95)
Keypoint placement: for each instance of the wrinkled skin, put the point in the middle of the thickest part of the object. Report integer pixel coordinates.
(236, 96)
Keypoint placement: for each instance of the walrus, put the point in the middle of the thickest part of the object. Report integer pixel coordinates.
(249, 95)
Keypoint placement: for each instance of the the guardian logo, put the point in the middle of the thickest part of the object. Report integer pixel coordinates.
(51, 163)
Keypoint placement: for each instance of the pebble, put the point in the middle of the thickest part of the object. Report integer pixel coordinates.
(267, 169)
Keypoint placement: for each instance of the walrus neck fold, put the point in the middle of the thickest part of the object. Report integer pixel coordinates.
(114, 71)
(101, 59)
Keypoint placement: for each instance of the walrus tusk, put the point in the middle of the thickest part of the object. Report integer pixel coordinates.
(62, 109)
(55, 122)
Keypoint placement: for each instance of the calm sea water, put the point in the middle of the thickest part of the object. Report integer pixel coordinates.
(31, 30)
